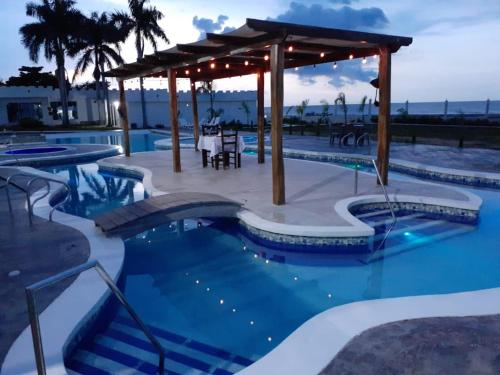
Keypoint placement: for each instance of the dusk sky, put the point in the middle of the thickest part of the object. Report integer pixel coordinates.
(455, 52)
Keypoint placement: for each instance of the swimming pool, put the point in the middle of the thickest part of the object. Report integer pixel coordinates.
(208, 289)
(93, 192)
(139, 140)
(35, 150)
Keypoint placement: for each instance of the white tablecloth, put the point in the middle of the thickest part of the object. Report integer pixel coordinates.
(213, 143)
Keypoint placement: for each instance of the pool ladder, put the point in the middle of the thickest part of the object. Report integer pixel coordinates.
(389, 204)
(35, 322)
(27, 191)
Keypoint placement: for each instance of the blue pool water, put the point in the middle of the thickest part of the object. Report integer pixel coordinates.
(213, 285)
(93, 193)
(139, 141)
(190, 283)
(35, 150)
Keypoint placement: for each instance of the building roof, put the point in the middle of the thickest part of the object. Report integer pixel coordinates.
(246, 50)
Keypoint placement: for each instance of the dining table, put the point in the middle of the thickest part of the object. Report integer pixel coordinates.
(213, 144)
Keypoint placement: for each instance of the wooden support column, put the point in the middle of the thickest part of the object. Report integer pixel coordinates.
(194, 104)
(277, 67)
(123, 113)
(384, 114)
(260, 117)
(174, 123)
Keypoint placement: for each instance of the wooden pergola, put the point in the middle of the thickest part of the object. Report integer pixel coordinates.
(258, 47)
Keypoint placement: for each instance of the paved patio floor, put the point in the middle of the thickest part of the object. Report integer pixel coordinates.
(459, 346)
(451, 156)
(312, 188)
(37, 252)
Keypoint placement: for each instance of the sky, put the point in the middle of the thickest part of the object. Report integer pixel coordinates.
(455, 52)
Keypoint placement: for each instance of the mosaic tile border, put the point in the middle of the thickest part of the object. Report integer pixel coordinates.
(438, 174)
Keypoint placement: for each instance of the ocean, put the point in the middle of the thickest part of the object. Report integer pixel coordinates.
(467, 108)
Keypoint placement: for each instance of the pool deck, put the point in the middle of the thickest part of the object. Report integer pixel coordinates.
(39, 251)
(445, 156)
(318, 195)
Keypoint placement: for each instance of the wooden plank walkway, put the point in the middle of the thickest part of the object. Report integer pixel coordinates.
(134, 214)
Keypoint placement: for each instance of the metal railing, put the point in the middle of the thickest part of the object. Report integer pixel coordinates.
(27, 192)
(394, 218)
(346, 137)
(35, 322)
(362, 138)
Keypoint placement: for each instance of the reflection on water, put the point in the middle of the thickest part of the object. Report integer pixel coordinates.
(93, 193)
(138, 142)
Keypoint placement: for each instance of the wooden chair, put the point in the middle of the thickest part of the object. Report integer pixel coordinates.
(208, 130)
(230, 152)
(336, 131)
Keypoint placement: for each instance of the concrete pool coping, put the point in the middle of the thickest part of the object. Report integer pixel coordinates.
(458, 176)
(311, 347)
(352, 227)
(72, 154)
(62, 319)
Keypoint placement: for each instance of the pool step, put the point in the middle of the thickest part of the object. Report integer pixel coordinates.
(123, 349)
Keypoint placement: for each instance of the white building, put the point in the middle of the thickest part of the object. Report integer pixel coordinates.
(43, 104)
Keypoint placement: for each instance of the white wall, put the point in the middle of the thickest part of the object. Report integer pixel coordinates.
(156, 103)
(158, 112)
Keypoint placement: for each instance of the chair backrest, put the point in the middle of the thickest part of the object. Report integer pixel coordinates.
(210, 129)
(229, 140)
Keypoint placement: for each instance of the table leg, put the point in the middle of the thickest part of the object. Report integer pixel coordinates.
(204, 158)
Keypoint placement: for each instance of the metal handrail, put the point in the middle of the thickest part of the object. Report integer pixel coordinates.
(394, 218)
(363, 136)
(34, 178)
(35, 322)
(341, 142)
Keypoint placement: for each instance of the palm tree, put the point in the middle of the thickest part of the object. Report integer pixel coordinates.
(301, 108)
(53, 32)
(208, 88)
(361, 108)
(143, 22)
(246, 109)
(341, 100)
(99, 45)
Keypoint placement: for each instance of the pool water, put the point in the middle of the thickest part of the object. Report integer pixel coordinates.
(139, 141)
(93, 192)
(35, 150)
(211, 284)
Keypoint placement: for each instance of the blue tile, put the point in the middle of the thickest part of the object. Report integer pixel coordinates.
(242, 360)
(221, 371)
(172, 337)
(208, 349)
(124, 359)
(85, 369)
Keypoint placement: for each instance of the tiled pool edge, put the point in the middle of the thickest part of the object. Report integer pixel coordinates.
(316, 342)
(76, 307)
(441, 174)
(325, 238)
(40, 161)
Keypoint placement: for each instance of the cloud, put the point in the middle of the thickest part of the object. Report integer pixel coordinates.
(207, 25)
(346, 17)
(343, 2)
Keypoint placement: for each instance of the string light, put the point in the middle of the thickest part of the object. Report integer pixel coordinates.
(375, 56)
(198, 70)
(212, 66)
(187, 72)
(322, 54)
(364, 60)
(227, 66)
(296, 68)
(266, 57)
(290, 49)
(351, 56)
(246, 62)
(335, 65)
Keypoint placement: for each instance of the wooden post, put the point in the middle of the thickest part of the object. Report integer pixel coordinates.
(277, 67)
(174, 123)
(123, 113)
(260, 117)
(384, 113)
(194, 104)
